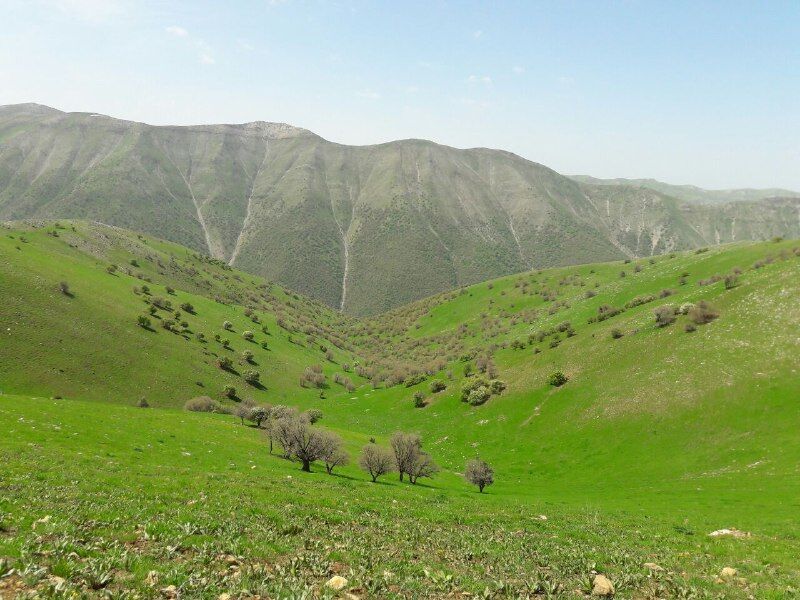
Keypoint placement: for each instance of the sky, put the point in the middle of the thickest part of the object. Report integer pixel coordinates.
(706, 93)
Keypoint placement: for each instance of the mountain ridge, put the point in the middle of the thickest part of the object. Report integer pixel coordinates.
(362, 228)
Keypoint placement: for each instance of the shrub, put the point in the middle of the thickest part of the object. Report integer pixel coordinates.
(497, 387)
(479, 396)
(229, 392)
(702, 313)
(143, 321)
(478, 472)
(201, 337)
(247, 356)
(419, 400)
(557, 379)
(111, 269)
(689, 327)
(170, 290)
(227, 326)
(143, 403)
(616, 333)
(63, 287)
(472, 384)
(313, 415)
(437, 385)
(415, 379)
(665, 315)
(187, 307)
(202, 404)
(224, 363)
(251, 377)
(248, 335)
(731, 281)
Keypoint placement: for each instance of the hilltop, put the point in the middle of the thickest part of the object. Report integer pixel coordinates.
(363, 229)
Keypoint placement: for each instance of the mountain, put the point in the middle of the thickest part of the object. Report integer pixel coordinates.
(361, 228)
(663, 432)
(691, 193)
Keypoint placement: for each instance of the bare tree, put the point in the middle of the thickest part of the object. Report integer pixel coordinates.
(406, 448)
(332, 452)
(422, 466)
(274, 433)
(301, 441)
(478, 472)
(376, 461)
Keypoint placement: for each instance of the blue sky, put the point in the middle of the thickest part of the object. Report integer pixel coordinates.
(687, 92)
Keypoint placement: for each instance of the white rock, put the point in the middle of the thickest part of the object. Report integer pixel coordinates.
(337, 582)
(602, 586)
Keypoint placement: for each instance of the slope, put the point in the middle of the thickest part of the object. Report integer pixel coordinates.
(363, 229)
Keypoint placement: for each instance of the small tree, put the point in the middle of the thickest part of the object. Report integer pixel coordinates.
(258, 414)
(252, 377)
(243, 410)
(248, 335)
(143, 403)
(63, 287)
(229, 392)
(227, 326)
(702, 313)
(313, 415)
(557, 379)
(422, 466)
(478, 472)
(247, 356)
(405, 447)
(224, 363)
(302, 441)
(333, 453)
(143, 322)
(437, 385)
(376, 461)
(419, 400)
(187, 307)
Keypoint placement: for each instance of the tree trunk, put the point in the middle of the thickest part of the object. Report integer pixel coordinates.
(306, 466)
(480, 487)
(401, 476)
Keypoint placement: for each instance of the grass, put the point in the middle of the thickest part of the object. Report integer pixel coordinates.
(657, 438)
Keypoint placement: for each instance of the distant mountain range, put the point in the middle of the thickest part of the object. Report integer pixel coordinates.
(362, 228)
(692, 193)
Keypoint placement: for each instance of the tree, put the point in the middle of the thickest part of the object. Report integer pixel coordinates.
(251, 377)
(278, 412)
(301, 441)
(258, 414)
(478, 472)
(422, 466)
(243, 410)
(143, 321)
(557, 379)
(227, 326)
(333, 453)
(405, 447)
(187, 307)
(376, 461)
(63, 287)
(247, 356)
(229, 392)
(313, 415)
(224, 363)
(248, 335)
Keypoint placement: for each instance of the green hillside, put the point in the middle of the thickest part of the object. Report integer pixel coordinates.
(660, 435)
(363, 229)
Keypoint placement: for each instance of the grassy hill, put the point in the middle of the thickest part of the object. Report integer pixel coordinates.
(659, 436)
(363, 229)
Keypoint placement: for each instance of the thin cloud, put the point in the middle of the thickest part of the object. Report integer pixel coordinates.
(368, 94)
(518, 70)
(477, 34)
(93, 11)
(484, 79)
(177, 31)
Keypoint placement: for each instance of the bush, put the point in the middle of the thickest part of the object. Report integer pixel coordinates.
(616, 333)
(419, 400)
(143, 321)
(313, 415)
(731, 281)
(202, 404)
(63, 287)
(479, 473)
(415, 379)
(248, 335)
(557, 379)
(472, 384)
(229, 392)
(143, 403)
(251, 377)
(227, 326)
(702, 313)
(224, 363)
(479, 396)
(665, 315)
(689, 327)
(497, 387)
(437, 385)
(187, 308)
(247, 356)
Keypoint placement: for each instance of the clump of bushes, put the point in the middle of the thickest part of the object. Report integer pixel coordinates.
(224, 363)
(248, 335)
(419, 400)
(437, 385)
(313, 376)
(477, 390)
(557, 379)
(252, 377)
(143, 322)
(202, 404)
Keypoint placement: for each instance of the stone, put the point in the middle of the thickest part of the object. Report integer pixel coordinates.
(728, 573)
(337, 582)
(653, 566)
(602, 586)
(733, 532)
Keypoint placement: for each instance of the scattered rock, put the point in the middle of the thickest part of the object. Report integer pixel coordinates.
(170, 592)
(349, 596)
(653, 566)
(733, 532)
(542, 517)
(151, 579)
(224, 596)
(728, 573)
(42, 521)
(231, 559)
(337, 582)
(602, 586)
